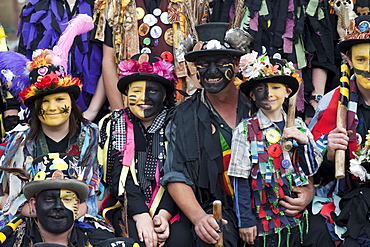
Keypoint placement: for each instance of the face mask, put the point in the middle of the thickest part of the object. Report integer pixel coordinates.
(56, 209)
(145, 99)
(55, 109)
(215, 72)
(360, 61)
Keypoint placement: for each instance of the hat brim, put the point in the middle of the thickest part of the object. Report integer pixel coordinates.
(32, 188)
(346, 45)
(75, 90)
(125, 81)
(191, 56)
(289, 81)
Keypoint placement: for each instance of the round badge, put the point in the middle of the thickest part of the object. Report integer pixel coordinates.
(146, 41)
(168, 36)
(164, 18)
(166, 55)
(273, 136)
(72, 173)
(155, 42)
(286, 163)
(140, 12)
(146, 50)
(359, 139)
(41, 175)
(57, 174)
(157, 12)
(274, 150)
(150, 19)
(156, 32)
(144, 29)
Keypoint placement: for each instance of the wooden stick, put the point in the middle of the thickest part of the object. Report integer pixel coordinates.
(217, 215)
(288, 143)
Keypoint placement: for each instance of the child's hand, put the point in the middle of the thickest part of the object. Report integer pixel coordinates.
(248, 234)
(293, 132)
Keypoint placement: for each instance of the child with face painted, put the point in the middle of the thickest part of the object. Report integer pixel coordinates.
(132, 150)
(266, 175)
(56, 126)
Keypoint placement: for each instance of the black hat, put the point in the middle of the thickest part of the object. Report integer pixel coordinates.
(146, 67)
(359, 32)
(214, 39)
(261, 69)
(55, 171)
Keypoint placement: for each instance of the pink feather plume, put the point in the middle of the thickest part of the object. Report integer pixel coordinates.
(82, 23)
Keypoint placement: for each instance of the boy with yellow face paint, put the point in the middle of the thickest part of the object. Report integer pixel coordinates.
(55, 194)
(133, 151)
(265, 174)
(353, 206)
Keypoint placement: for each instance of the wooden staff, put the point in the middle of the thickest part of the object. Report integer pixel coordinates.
(340, 155)
(288, 143)
(217, 215)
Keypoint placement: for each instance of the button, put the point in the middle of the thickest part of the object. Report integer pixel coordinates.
(146, 41)
(155, 42)
(156, 32)
(166, 55)
(146, 50)
(157, 12)
(275, 150)
(273, 136)
(140, 13)
(57, 174)
(144, 29)
(41, 175)
(286, 163)
(164, 18)
(168, 36)
(150, 19)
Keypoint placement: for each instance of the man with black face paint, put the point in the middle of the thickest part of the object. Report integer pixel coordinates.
(354, 188)
(134, 156)
(54, 195)
(199, 134)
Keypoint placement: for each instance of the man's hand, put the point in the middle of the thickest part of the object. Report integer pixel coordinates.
(206, 228)
(248, 235)
(305, 195)
(337, 139)
(145, 229)
(293, 132)
(162, 228)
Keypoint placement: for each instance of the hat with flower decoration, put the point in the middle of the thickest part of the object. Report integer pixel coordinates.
(55, 171)
(358, 32)
(215, 38)
(146, 67)
(48, 67)
(256, 69)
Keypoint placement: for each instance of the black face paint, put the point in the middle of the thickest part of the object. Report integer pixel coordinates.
(215, 72)
(65, 109)
(261, 94)
(361, 72)
(51, 212)
(42, 112)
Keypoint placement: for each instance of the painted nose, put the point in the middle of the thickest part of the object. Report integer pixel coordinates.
(58, 204)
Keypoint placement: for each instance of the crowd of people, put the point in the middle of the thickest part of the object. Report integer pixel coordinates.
(138, 115)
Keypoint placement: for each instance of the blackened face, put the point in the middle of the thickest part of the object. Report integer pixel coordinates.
(270, 96)
(56, 210)
(215, 72)
(146, 99)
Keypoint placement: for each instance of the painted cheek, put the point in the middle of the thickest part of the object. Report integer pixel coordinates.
(133, 104)
(70, 201)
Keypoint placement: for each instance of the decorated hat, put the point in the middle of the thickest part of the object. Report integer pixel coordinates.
(358, 32)
(55, 171)
(13, 72)
(146, 67)
(46, 78)
(215, 39)
(48, 68)
(256, 69)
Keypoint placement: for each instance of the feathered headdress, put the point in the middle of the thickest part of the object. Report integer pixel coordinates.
(48, 68)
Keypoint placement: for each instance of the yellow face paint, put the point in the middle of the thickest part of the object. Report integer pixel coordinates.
(70, 201)
(136, 97)
(360, 61)
(55, 109)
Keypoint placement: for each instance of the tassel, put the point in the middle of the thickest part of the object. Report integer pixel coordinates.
(82, 23)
